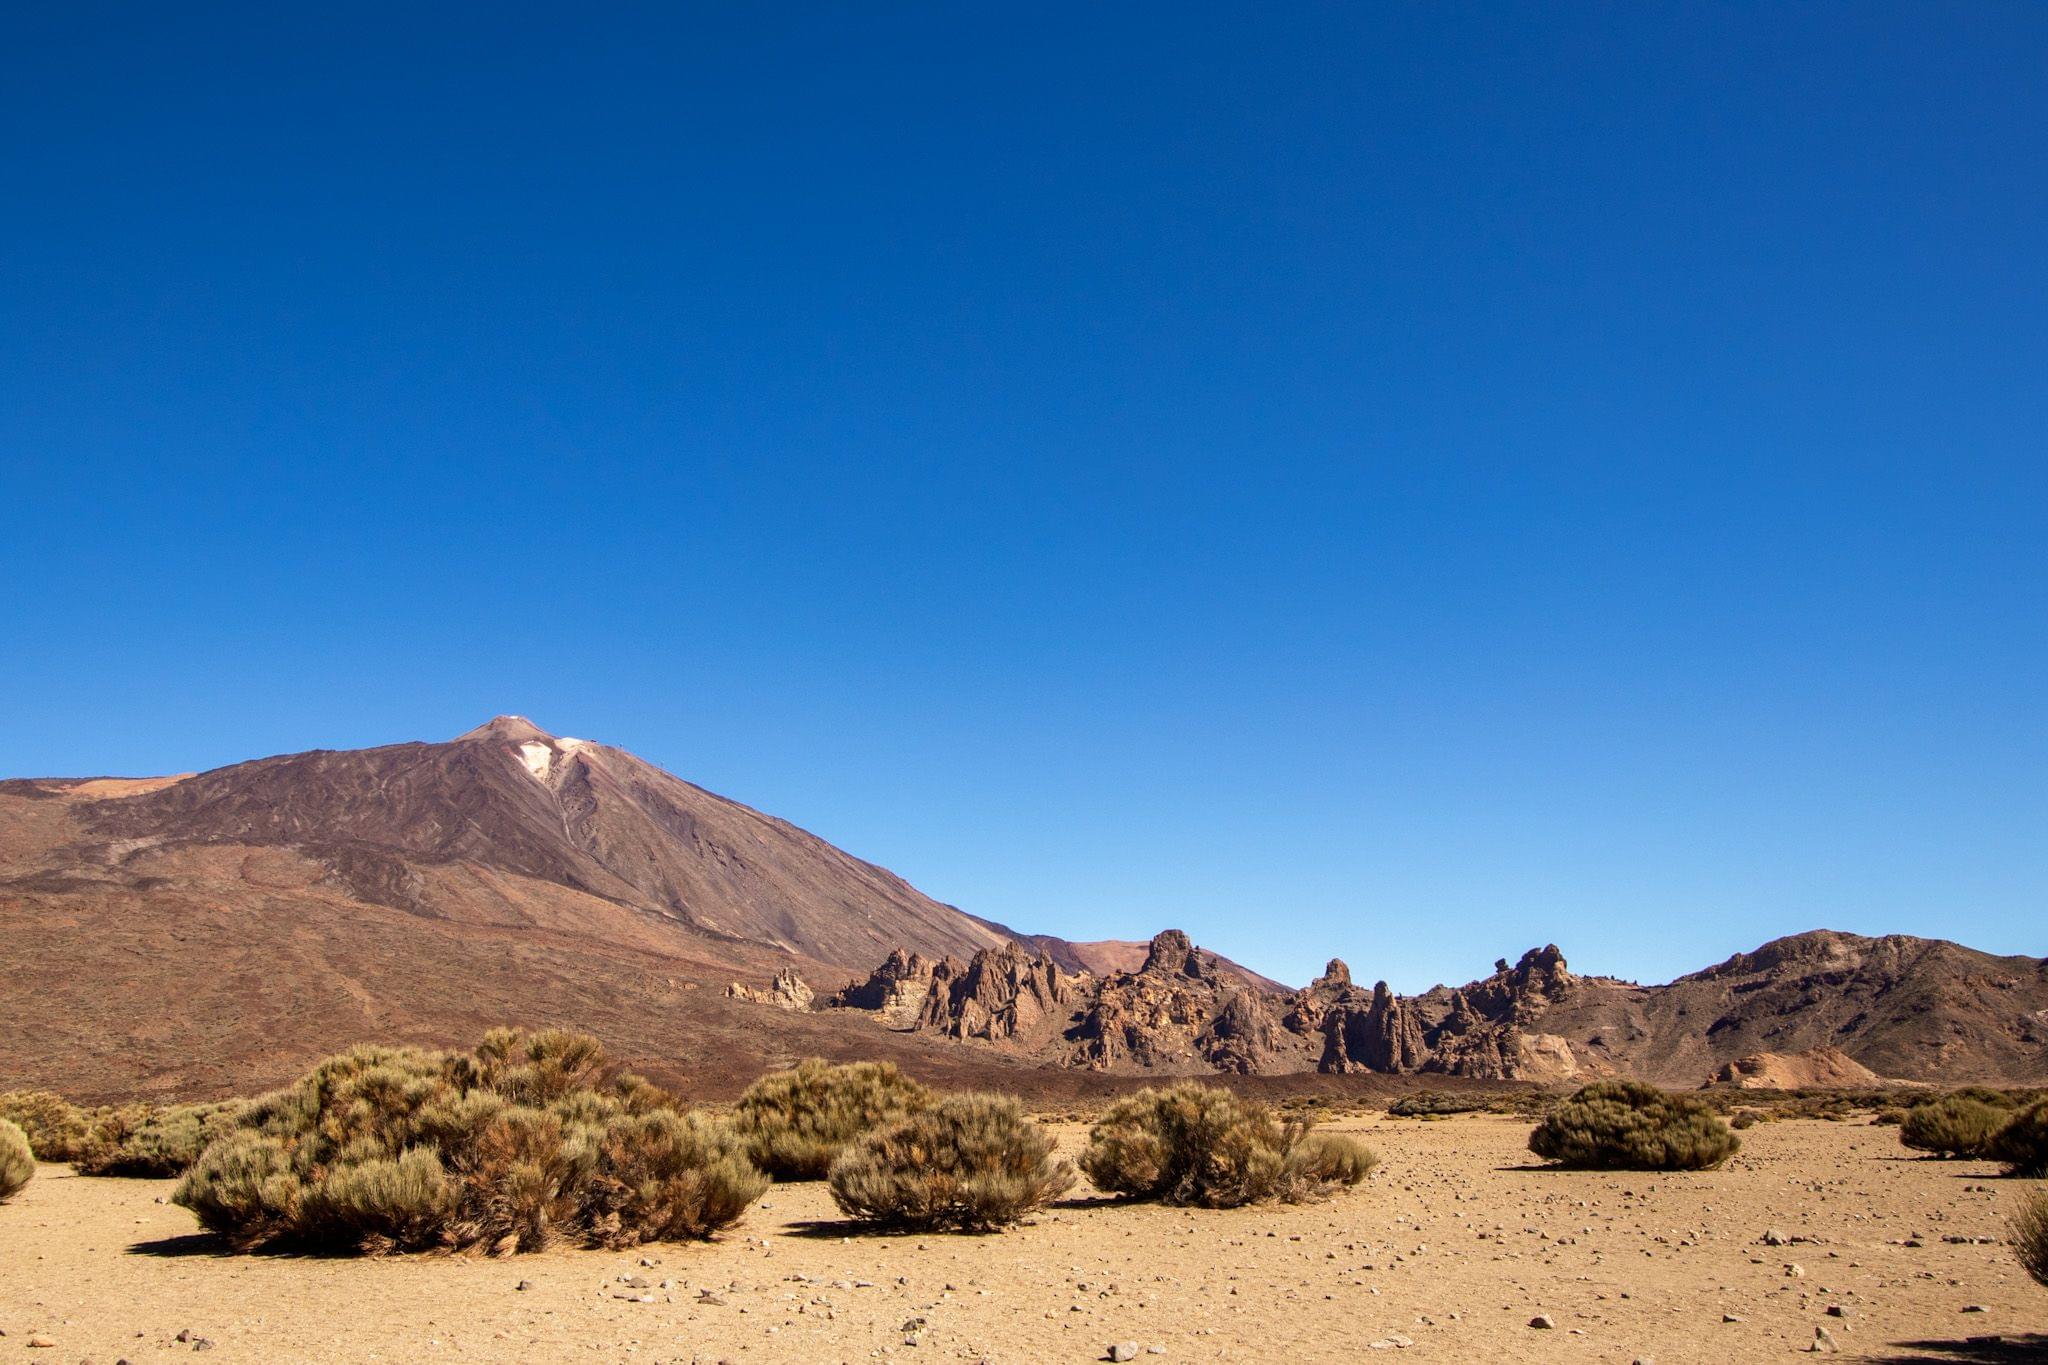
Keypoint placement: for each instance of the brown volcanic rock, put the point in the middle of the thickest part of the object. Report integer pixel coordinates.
(1178, 1012)
(895, 990)
(1000, 996)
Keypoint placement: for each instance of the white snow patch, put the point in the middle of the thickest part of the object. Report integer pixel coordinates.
(538, 758)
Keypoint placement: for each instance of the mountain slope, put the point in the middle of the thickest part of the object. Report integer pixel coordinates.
(588, 817)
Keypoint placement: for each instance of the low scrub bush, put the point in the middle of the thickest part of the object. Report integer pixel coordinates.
(1202, 1145)
(153, 1143)
(55, 1127)
(972, 1162)
(395, 1149)
(1625, 1125)
(796, 1122)
(2022, 1141)
(17, 1161)
(1432, 1103)
(1958, 1125)
(2029, 1234)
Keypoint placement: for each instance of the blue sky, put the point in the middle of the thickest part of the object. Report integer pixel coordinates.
(1403, 482)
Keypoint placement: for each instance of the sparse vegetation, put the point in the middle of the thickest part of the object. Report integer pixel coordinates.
(55, 1127)
(527, 1140)
(1957, 1125)
(974, 1162)
(153, 1143)
(796, 1122)
(1625, 1125)
(2029, 1234)
(17, 1161)
(2022, 1141)
(1202, 1145)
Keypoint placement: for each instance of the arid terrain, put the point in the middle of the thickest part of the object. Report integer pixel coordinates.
(1447, 1253)
(212, 934)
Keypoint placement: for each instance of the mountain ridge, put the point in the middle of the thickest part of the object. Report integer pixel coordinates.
(202, 932)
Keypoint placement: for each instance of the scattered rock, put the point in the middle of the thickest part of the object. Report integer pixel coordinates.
(1124, 1350)
(1541, 1322)
(1823, 1340)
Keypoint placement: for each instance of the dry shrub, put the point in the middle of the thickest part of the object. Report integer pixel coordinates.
(153, 1143)
(1625, 1125)
(55, 1127)
(2022, 1142)
(17, 1161)
(1202, 1145)
(2029, 1234)
(797, 1121)
(974, 1162)
(395, 1149)
(1958, 1125)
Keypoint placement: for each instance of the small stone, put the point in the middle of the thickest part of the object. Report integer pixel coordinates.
(1124, 1350)
(1795, 1271)
(1772, 1238)
(1541, 1322)
(523, 1286)
(41, 1343)
(1836, 1310)
(1730, 1317)
(1823, 1340)
(1975, 1308)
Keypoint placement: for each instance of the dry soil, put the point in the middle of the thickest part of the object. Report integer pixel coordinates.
(1448, 1253)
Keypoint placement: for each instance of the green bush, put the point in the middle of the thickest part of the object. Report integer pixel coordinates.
(1958, 1125)
(1202, 1145)
(394, 1149)
(2029, 1234)
(2022, 1141)
(55, 1127)
(796, 1122)
(972, 1162)
(1624, 1125)
(17, 1161)
(154, 1143)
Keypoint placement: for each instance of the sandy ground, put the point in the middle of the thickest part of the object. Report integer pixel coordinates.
(1446, 1254)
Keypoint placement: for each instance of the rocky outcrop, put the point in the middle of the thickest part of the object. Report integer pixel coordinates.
(1182, 1011)
(1376, 1032)
(895, 991)
(786, 990)
(1000, 996)
(1178, 1012)
(1525, 990)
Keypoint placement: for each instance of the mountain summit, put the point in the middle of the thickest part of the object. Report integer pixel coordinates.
(393, 824)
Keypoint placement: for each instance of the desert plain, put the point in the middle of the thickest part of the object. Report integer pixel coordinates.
(1455, 1246)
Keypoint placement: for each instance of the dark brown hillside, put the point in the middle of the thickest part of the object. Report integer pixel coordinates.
(584, 816)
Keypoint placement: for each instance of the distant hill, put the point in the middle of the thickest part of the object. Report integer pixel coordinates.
(213, 932)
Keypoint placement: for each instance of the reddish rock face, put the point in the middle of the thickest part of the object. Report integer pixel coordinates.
(1000, 996)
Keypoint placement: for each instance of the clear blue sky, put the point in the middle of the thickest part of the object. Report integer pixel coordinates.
(1406, 482)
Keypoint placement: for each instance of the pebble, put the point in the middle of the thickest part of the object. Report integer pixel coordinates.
(1542, 1322)
(1823, 1340)
(1124, 1350)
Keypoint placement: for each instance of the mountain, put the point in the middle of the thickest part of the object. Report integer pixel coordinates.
(1828, 1007)
(215, 930)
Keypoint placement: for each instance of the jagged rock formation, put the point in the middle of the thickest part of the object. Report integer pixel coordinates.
(1178, 1011)
(786, 990)
(1536, 1020)
(895, 990)
(1000, 996)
